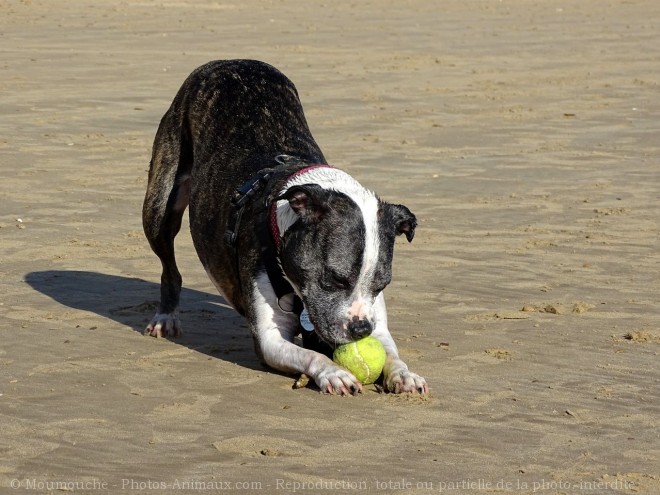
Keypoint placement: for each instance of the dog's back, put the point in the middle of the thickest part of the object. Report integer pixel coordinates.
(240, 111)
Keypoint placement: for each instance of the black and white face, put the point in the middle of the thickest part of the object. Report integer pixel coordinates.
(337, 253)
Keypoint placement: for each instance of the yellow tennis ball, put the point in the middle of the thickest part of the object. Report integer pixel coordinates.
(364, 358)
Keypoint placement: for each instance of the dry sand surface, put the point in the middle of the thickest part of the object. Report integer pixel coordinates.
(525, 136)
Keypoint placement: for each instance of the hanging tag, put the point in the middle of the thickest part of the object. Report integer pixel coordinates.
(305, 322)
(286, 302)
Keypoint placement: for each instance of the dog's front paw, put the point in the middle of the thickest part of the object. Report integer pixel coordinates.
(335, 380)
(163, 325)
(398, 380)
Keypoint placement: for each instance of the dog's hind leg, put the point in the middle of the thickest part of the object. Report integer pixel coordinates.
(167, 196)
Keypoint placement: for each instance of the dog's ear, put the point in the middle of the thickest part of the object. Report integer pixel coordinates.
(402, 219)
(307, 201)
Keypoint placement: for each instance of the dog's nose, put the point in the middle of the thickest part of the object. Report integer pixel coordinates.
(359, 328)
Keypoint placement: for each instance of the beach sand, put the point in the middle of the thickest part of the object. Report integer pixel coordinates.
(523, 134)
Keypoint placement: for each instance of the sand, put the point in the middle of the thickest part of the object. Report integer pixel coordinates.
(523, 134)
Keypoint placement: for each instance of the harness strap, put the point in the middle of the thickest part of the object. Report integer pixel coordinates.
(270, 245)
(240, 199)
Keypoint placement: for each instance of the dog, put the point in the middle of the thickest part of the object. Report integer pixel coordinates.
(292, 243)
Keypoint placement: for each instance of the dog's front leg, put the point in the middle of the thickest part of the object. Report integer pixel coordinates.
(398, 378)
(274, 330)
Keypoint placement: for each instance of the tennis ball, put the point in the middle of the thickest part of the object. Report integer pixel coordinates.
(364, 358)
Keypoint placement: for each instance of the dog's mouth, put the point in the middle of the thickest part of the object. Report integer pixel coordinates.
(318, 342)
(328, 333)
(333, 335)
(330, 329)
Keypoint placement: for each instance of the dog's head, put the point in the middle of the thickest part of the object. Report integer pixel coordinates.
(337, 253)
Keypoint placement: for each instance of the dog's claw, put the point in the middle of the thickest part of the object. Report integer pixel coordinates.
(338, 381)
(163, 325)
(401, 381)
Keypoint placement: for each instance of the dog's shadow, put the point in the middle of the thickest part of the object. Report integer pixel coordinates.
(210, 326)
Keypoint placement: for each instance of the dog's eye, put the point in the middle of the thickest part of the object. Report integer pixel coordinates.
(339, 281)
